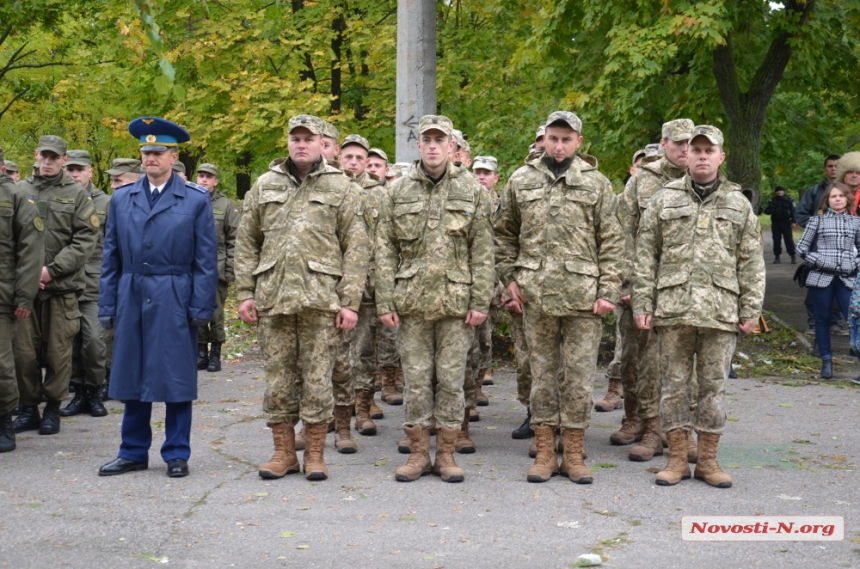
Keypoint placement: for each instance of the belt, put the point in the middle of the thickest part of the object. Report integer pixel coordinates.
(147, 269)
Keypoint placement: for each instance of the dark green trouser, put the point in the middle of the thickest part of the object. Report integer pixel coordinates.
(214, 331)
(8, 383)
(88, 364)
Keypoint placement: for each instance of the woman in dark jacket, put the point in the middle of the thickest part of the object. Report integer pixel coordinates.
(831, 247)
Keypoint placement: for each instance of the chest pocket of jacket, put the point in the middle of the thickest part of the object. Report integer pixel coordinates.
(578, 206)
(321, 211)
(273, 215)
(677, 224)
(728, 222)
(459, 212)
(408, 219)
(61, 213)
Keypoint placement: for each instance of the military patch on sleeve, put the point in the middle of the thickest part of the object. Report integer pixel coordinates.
(94, 221)
(38, 223)
(31, 200)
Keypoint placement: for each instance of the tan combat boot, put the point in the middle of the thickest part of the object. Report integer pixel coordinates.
(707, 468)
(284, 460)
(389, 390)
(465, 444)
(632, 428)
(445, 466)
(613, 398)
(474, 416)
(418, 464)
(300, 438)
(489, 376)
(692, 447)
(315, 436)
(342, 436)
(398, 379)
(363, 423)
(546, 462)
(481, 398)
(572, 462)
(375, 412)
(650, 444)
(677, 468)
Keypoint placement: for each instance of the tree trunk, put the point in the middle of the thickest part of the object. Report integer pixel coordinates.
(243, 175)
(338, 26)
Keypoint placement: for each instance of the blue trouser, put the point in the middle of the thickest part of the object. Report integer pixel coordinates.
(822, 304)
(137, 431)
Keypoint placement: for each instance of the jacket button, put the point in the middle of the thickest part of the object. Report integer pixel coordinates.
(149, 301)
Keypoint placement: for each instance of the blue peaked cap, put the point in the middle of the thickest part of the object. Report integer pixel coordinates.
(157, 134)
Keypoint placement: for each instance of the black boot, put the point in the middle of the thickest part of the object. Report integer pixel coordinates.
(215, 357)
(28, 420)
(776, 260)
(793, 259)
(202, 356)
(827, 369)
(524, 431)
(103, 390)
(732, 373)
(17, 410)
(79, 403)
(97, 408)
(7, 433)
(50, 424)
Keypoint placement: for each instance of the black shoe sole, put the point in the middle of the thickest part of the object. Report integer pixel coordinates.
(466, 450)
(316, 476)
(132, 469)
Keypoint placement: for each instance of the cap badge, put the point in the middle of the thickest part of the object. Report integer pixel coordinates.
(151, 138)
(148, 121)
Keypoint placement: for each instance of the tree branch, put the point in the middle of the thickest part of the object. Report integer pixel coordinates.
(15, 98)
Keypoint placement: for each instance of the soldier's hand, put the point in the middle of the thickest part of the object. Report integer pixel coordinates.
(346, 318)
(625, 300)
(603, 307)
(643, 321)
(390, 319)
(515, 293)
(747, 326)
(514, 306)
(107, 322)
(475, 318)
(22, 313)
(247, 311)
(45, 278)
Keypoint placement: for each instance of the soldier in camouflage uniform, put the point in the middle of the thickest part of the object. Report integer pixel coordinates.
(434, 277)
(45, 339)
(330, 146)
(88, 374)
(559, 252)
(301, 264)
(377, 163)
(227, 216)
(699, 279)
(22, 254)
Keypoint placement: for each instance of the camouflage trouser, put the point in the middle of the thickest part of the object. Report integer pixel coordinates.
(713, 350)
(214, 330)
(438, 346)
(613, 370)
(8, 383)
(45, 340)
(365, 346)
(299, 353)
(387, 352)
(341, 376)
(567, 344)
(88, 361)
(521, 352)
(640, 364)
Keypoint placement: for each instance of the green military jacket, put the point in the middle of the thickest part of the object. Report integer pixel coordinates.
(22, 251)
(560, 239)
(654, 173)
(93, 268)
(301, 245)
(699, 262)
(72, 230)
(434, 246)
(227, 216)
(373, 192)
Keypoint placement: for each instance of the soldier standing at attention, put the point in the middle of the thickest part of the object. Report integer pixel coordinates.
(301, 264)
(227, 217)
(90, 349)
(72, 228)
(699, 279)
(377, 163)
(22, 253)
(179, 168)
(559, 252)
(434, 278)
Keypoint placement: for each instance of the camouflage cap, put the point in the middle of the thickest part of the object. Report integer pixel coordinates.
(209, 169)
(53, 144)
(541, 131)
(310, 122)
(330, 131)
(378, 152)
(712, 133)
(566, 117)
(485, 163)
(678, 129)
(355, 139)
(436, 122)
(11, 166)
(179, 167)
(79, 158)
(122, 166)
(398, 169)
(652, 149)
(639, 154)
(459, 139)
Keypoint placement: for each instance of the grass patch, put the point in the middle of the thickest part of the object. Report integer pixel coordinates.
(774, 354)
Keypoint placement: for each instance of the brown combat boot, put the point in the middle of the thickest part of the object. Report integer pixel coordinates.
(632, 428)
(613, 398)
(389, 390)
(546, 462)
(692, 447)
(650, 444)
(465, 444)
(533, 450)
(488, 376)
(375, 412)
(418, 464)
(474, 416)
(481, 398)
(342, 436)
(405, 445)
(363, 423)
(398, 379)
(315, 436)
(445, 466)
(300, 438)
(677, 468)
(572, 462)
(707, 468)
(284, 460)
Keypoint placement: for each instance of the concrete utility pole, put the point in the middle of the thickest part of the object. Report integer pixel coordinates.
(416, 72)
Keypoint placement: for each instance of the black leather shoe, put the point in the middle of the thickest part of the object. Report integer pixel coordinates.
(524, 431)
(28, 420)
(79, 403)
(177, 468)
(7, 433)
(121, 466)
(50, 424)
(202, 356)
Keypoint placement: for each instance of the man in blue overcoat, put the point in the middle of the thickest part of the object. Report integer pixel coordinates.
(158, 283)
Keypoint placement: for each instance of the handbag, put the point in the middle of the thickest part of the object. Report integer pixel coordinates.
(801, 274)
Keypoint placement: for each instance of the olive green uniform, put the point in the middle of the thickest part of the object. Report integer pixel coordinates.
(227, 216)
